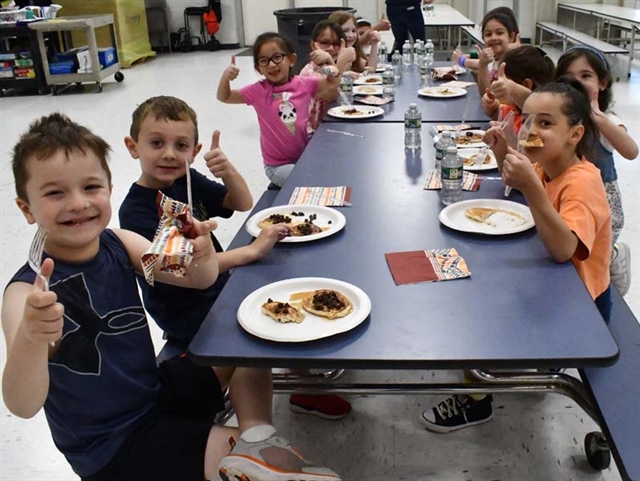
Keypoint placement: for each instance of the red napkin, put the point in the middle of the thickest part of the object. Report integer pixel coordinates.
(426, 266)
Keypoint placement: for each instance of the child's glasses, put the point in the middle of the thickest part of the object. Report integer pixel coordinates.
(276, 59)
(325, 44)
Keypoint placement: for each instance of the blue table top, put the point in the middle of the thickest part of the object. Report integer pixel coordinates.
(519, 309)
(433, 110)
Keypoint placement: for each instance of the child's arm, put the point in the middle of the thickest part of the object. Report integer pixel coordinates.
(490, 104)
(372, 61)
(617, 135)
(558, 238)
(203, 270)
(486, 56)
(225, 94)
(503, 88)
(346, 57)
(238, 195)
(256, 250)
(31, 319)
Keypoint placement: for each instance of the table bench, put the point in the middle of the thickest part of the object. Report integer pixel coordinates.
(616, 394)
(567, 35)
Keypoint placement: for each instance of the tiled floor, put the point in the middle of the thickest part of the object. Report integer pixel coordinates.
(533, 437)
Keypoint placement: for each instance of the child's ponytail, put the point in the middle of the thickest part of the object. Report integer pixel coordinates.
(577, 108)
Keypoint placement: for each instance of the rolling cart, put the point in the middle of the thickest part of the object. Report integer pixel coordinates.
(88, 24)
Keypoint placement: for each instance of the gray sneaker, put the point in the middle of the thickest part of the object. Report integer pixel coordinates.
(620, 267)
(273, 459)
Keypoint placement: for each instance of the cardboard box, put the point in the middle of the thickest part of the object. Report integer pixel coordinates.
(6, 73)
(24, 73)
(107, 56)
(130, 22)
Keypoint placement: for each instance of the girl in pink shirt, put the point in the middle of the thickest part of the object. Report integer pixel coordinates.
(280, 100)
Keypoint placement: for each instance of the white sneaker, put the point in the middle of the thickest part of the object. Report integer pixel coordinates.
(620, 267)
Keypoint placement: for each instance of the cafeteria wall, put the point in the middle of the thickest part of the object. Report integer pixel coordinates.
(244, 20)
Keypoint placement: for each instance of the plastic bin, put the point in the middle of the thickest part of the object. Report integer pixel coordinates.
(296, 24)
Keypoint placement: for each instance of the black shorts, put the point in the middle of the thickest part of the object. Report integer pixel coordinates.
(170, 444)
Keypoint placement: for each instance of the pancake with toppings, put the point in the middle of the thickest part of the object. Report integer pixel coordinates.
(327, 303)
(274, 219)
(282, 312)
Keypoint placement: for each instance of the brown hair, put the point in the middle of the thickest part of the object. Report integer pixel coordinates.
(162, 108)
(48, 135)
(283, 42)
(528, 62)
(341, 17)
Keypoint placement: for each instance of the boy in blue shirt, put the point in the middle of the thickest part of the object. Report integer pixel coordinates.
(163, 135)
(112, 412)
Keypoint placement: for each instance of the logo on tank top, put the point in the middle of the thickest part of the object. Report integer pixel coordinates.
(79, 351)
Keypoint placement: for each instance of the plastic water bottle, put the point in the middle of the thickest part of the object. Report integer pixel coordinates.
(418, 52)
(412, 127)
(429, 52)
(406, 54)
(346, 89)
(444, 142)
(451, 176)
(388, 84)
(431, 10)
(396, 61)
(382, 54)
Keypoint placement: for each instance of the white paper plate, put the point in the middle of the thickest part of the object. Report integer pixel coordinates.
(437, 92)
(466, 153)
(473, 145)
(367, 89)
(313, 327)
(453, 216)
(457, 68)
(365, 112)
(380, 68)
(326, 217)
(368, 80)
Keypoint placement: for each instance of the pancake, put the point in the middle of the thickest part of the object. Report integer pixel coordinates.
(531, 143)
(327, 303)
(482, 214)
(305, 228)
(274, 219)
(282, 312)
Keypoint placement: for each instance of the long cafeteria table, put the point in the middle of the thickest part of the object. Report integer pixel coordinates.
(448, 17)
(433, 109)
(518, 310)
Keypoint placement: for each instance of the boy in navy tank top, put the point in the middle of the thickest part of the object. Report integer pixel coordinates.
(80, 347)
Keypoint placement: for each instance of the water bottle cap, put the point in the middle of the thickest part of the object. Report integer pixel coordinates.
(452, 149)
(447, 133)
(413, 106)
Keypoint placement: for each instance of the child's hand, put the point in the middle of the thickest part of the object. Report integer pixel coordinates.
(485, 56)
(384, 23)
(346, 55)
(489, 101)
(42, 321)
(455, 56)
(595, 106)
(515, 44)
(374, 36)
(497, 140)
(231, 72)
(202, 245)
(216, 160)
(320, 57)
(501, 88)
(518, 171)
(267, 238)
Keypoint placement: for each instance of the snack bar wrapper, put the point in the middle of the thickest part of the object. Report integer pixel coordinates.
(171, 240)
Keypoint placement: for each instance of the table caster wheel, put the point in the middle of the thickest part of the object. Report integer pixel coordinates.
(597, 450)
(119, 76)
(99, 87)
(54, 90)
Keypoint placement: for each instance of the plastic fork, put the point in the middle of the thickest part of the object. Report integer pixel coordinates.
(523, 135)
(35, 255)
(485, 150)
(35, 259)
(189, 198)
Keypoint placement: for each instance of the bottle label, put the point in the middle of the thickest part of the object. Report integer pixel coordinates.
(346, 87)
(412, 123)
(451, 173)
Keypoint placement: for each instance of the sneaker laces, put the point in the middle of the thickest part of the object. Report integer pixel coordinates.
(449, 407)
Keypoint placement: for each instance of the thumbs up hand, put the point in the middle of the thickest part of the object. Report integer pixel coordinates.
(42, 320)
(489, 102)
(501, 88)
(216, 160)
(346, 55)
(231, 72)
(485, 56)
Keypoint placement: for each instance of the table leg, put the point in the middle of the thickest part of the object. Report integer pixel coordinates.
(44, 58)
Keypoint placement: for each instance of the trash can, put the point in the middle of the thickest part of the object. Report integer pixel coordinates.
(296, 24)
